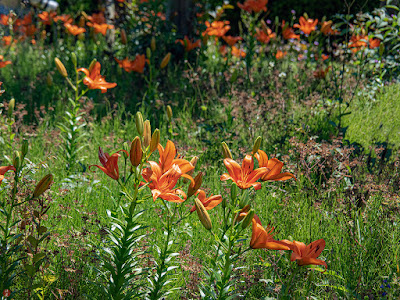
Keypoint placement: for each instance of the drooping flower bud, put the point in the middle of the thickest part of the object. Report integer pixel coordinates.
(139, 123)
(155, 140)
(169, 113)
(146, 134)
(203, 214)
(136, 152)
(43, 185)
(257, 145)
(192, 189)
(225, 151)
(165, 60)
(60, 67)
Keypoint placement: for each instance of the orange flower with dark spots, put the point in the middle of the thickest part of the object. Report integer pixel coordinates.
(244, 176)
(94, 80)
(136, 65)
(162, 185)
(3, 171)
(237, 52)
(264, 37)
(232, 40)
(3, 62)
(47, 18)
(109, 163)
(253, 5)
(208, 203)
(274, 167)
(307, 255)
(188, 44)
(280, 54)
(288, 32)
(217, 28)
(263, 238)
(74, 30)
(306, 26)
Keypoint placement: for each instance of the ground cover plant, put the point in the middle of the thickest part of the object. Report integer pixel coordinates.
(150, 150)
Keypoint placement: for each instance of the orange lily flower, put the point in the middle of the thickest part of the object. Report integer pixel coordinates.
(321, 73)
(245, 176)
(3, 171)
(66, 19)
(188, 44)
(5, 19)
(74, 30)
(307, 255)
(162, 185)
(263, 238)
(264, 37)
(307, 26)
(4, 63)
(274, 167)
(7, 40)
(374, 43)
(46, 17)
(101, 28)
(232, 40)
(167, 160)
(208, 203)
(94, 80)
(253, 5)
(110, 163)
(96, 18)
(280, 54)
(326, 28)
(217, 28)
(237, 52)
(136, 65)
(357, 42)
(288, 32)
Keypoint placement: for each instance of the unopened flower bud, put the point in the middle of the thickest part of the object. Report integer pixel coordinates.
(74, 59)
(165, 60)
(234, 191)
(257, 145)
(225, 151)
(155, 140)
(169, 113)
(193, 161)
(139, 123)
(124, 39)
(11, 106)
(241, 214)
(248, 218)
(17, 160)
(146, 134)
(94, 61)
(60, 67)
(49, 80)
(203, 214)
(148, 53)
(126, 148)
(24, 148)
(153, 44)
(43, 185)
(193, 187)
(136, 152)
(82, 20)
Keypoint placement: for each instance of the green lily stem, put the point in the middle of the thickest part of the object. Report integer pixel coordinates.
(290, 281)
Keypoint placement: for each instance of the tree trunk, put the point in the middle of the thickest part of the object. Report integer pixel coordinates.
(180, 13)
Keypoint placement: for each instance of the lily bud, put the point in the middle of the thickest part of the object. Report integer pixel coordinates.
(43, 185)
(17, 160)
(74, 59)
(203, 214)
(193, 161)
(24, 148)
(124, 39)
(148, 53)
(60, 67)
(126, 148)
(197, 184)
(241, 214)
(139, 123)
(153, 44)
(257, 145)
(225, 151)
(94, 61)
(165, 60)
(136, 152)
(82, 20)
(146, 134)
(11, 106)
(49, 80)
(169, 113)
(248, 218)
(234, 191)
(155, 140)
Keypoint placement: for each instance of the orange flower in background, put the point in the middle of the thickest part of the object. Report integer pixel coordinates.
(321, 73)
(217, 28)
(188, 44)
(96, 18)
(46, 18)
(307, 26)
(244, 176)
(74, 30)
(94, 80)
(323, 56)
(136, 65)
(280, 54)
(167, 159)
(208, 203)
(237, 52)
(101, 28)
(5, 19)
(232, 40)
(162, 185)
(357, 42)
(264, 37)
(307, 255)
(374, 43)
(7, 40)
(274, 167)
(3, 62)
(1, 91)
(253, 5)
(288, 32)
(66, 19)
(110, 163)
(5, 169)
(223, 50)
(326, 28)
(263, 238)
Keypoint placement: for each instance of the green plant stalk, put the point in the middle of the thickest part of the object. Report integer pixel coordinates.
(290, 281)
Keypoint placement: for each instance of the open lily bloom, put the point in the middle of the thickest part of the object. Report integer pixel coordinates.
(109, 163)
(274, 167)
(167, 159)
(3, 171)
(94, 80)
(253, 5)
(307, 255)
(208, 203)
(307, 26)
(188, 44)
(263, 238)
(162, 185)
(244, 176)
